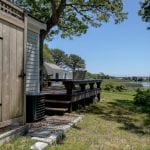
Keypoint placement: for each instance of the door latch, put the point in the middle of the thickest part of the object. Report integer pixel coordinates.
(22, 74)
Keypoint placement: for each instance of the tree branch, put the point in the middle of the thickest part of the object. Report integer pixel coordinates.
(86, 5)
(53, 4)
(56, 13)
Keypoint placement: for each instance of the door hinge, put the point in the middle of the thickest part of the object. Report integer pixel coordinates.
(1, 38)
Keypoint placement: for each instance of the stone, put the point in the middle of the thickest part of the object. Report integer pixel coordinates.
(54, 132)
(42, 133)
(54, 137)
(39, 146)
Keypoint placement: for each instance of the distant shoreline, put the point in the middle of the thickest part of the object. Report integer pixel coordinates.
(144, 84)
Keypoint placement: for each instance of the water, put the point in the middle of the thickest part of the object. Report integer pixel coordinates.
(145, 84)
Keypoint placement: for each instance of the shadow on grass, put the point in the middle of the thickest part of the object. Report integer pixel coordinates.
(124, 111)
(76, 127)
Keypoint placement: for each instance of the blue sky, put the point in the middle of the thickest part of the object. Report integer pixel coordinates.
(118, 50)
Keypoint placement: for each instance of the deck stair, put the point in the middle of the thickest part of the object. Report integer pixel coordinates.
(61, 110)
(56, 106)
(57, 101)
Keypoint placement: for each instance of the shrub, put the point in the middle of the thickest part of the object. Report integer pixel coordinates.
(112, 87)
(120, 88)
(109, 87)
(142, 97)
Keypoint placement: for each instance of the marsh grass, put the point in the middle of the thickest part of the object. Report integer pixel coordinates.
(113, 124)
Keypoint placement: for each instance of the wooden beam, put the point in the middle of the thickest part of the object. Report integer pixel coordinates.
(11, 121)
(12, 20)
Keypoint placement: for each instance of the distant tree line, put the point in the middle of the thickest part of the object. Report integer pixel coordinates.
(60, 58)
(136, 79)
(105, 76)
(98, 76)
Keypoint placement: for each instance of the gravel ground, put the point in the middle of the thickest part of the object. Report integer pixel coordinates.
(56, 122)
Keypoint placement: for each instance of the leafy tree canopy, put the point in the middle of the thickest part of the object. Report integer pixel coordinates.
(73, 17)
(47, 56)
(59, 57)
(76, 62)
(144, 12)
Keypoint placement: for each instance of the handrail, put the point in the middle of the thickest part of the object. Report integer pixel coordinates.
(81, 81)
(70, 84)
(76, 81)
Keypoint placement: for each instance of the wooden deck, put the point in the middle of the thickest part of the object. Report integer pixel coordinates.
(71, 94)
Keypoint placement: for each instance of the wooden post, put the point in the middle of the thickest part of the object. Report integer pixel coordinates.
(69, 87)
(99, 96)
(91, 86)
(70, 108)
(98, 86)
(82, 86)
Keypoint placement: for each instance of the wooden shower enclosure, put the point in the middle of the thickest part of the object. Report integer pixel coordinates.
(12, 39)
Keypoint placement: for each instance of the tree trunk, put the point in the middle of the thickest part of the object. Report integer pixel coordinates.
(54, 19)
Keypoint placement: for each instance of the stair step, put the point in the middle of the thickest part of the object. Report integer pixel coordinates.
(56, 109)
(58, 101)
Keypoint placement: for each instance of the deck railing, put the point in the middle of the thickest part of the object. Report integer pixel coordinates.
(72, 95)
(70, 84)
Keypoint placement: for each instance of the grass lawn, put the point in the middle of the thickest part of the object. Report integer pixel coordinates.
(113, 124)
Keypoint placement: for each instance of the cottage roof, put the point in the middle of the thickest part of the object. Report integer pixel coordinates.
(51, 66)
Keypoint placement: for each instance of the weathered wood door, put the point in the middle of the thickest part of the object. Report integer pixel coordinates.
(11, 67)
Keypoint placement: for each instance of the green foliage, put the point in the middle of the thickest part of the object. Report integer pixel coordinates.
(120, 88)
(76, 62)
(47, 54)
(97, 76)
(91, 76)
(88, 75)
(144, 12)
(109, 87)
(59, 57)
(113, 86)
(73, 17)
(142, 97)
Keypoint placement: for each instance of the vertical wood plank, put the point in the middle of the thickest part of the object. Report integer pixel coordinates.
(0, 70)
(13, 72)
(20, 47)
(6, 74)
(24, 60)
